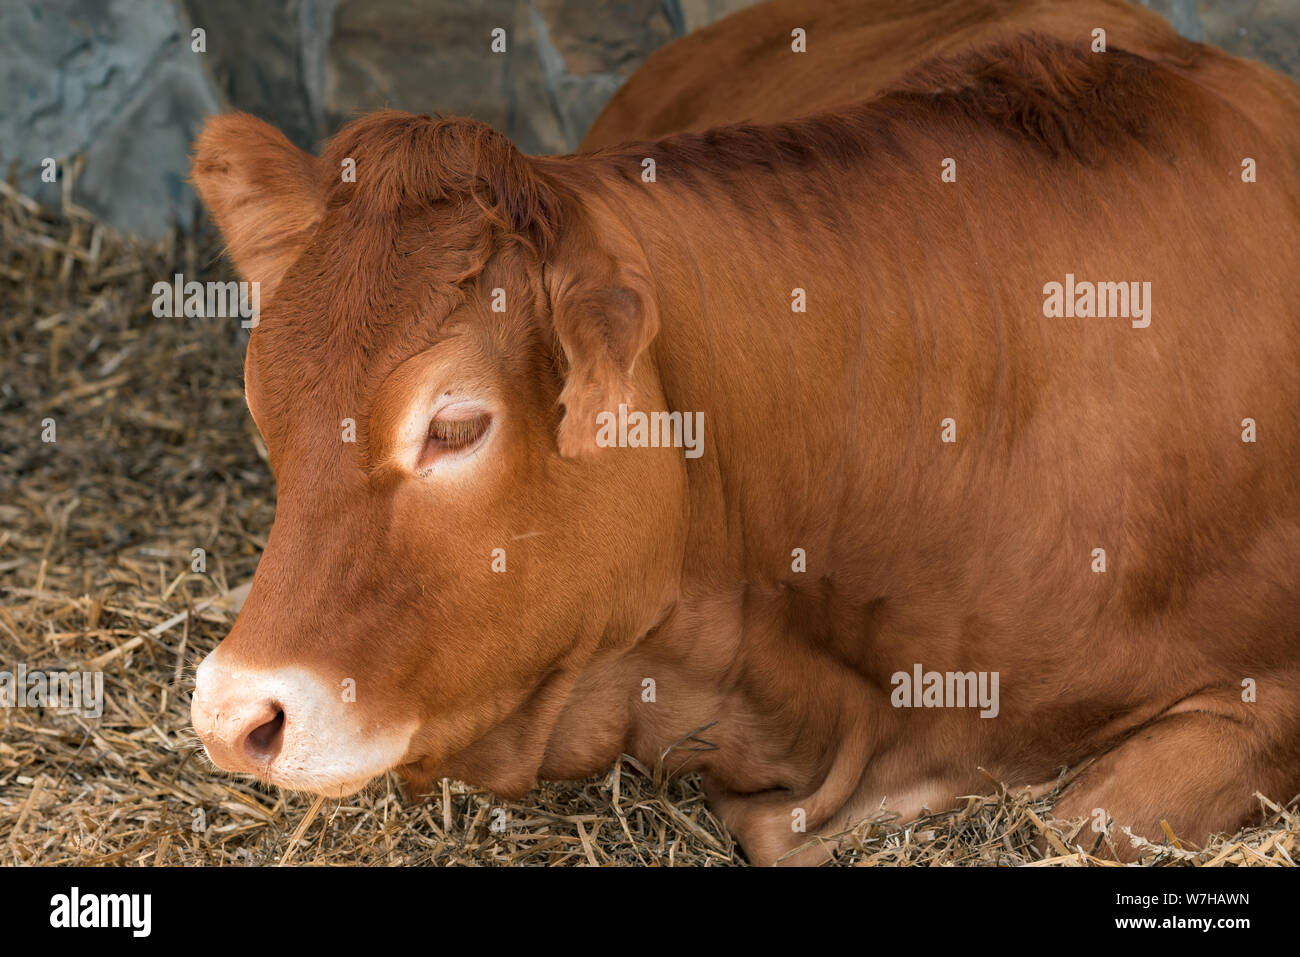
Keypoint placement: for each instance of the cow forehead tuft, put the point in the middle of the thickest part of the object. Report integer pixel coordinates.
(406, 162)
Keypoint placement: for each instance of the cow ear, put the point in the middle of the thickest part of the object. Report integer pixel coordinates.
(604, 315)
(262, 191)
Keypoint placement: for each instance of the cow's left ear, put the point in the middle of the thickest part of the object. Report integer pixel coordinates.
(604, 316)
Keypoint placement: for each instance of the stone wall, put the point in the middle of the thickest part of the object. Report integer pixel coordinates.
(121, 84)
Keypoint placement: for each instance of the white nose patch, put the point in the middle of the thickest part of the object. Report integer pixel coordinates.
(291, 728)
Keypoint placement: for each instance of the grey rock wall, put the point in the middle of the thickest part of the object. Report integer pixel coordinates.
(114, 81)
(118, 82)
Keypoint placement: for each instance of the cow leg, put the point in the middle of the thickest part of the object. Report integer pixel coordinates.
(1197, 767)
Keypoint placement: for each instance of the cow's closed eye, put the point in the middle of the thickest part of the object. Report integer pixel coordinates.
(453, 430)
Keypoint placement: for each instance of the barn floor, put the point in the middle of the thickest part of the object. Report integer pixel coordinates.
(154, 455)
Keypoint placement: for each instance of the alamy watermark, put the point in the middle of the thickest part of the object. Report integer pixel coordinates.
(133, 912)
(213, 300)
(640, 430)
(1102, 300)
(81, 691)
(946, 689)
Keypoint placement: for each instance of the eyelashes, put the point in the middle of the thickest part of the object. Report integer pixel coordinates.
(452, 434)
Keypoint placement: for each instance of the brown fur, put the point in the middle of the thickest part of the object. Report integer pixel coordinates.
(821, 429)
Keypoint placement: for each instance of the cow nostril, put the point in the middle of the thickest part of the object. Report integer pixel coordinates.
(263, 743)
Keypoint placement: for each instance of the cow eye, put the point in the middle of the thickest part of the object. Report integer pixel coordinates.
(453, 432)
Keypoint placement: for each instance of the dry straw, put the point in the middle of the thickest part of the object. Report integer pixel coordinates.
(155, 456)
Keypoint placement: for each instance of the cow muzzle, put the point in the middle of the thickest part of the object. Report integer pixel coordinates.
(289, 727)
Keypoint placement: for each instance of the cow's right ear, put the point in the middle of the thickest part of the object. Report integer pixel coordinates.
(604, 315)
(262, 191)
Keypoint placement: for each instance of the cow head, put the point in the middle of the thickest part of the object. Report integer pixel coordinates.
(442, 319)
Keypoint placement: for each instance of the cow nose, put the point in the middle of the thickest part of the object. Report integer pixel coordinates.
(238, 735)
(241, 727)
(263, 742)
(290, 726)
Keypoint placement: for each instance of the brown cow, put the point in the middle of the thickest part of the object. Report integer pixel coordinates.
(973, 341)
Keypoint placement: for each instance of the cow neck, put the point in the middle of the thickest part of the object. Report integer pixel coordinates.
(770, 381)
